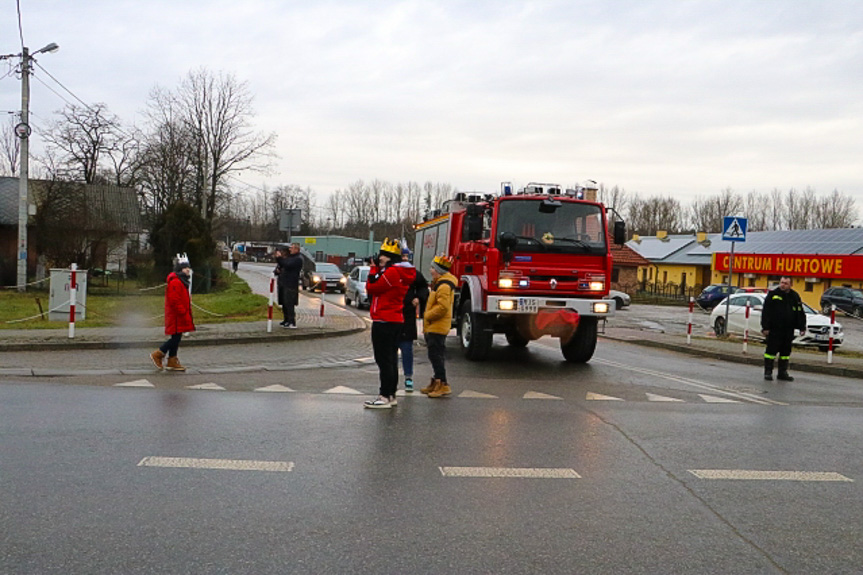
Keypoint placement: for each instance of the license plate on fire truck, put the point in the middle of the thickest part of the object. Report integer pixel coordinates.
(528, 304)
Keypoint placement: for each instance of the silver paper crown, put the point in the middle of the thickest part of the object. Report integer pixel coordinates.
(182, 258)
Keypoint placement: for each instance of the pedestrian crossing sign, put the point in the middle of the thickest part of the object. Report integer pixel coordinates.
(734, 229)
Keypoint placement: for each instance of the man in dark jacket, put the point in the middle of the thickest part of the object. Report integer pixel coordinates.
(781, 315)
(288, 268)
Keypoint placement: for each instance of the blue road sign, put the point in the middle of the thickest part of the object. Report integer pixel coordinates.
(734, 229)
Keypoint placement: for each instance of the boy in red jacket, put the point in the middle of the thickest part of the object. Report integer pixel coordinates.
(387, 284)
(178, 315)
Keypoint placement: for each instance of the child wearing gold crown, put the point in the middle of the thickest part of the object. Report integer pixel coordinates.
(437, 322)
(178, 315)
(387, 284)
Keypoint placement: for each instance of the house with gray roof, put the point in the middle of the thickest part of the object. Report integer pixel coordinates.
(96, 223)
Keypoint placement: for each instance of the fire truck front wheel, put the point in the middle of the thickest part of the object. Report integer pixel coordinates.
(475, 338)
(580, 347)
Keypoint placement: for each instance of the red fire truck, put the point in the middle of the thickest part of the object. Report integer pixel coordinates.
(531, 262)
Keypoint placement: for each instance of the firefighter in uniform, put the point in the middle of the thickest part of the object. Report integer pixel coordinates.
(781, 315)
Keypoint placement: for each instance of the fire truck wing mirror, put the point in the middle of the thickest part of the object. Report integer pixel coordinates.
(619, 232)
(473, 223)
(548, 206)
(507, 242)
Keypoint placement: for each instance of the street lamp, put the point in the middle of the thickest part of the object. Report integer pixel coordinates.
(23, 130)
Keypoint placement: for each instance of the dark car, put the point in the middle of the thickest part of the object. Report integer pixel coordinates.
(849, 300)
(710, 296)
(323, 273)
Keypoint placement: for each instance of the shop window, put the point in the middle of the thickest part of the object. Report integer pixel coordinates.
(809, 286)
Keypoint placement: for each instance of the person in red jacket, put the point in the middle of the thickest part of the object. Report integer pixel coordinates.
(387, 284)
(178, 316)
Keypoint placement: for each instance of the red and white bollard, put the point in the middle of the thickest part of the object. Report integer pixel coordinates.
(689, 325)
(73, 295)
(746, 329)
(832, 328)
(270, 307)
(323, 291)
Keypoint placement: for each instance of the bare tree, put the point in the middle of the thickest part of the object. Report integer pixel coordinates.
(835, 210)
(10, 147)
(80, 137)
(706, 213)
(799, 208)
(217, 111)
(757, 209)
(654, 214)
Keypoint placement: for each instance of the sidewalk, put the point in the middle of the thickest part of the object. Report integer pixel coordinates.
(336, 321)
(731, 350)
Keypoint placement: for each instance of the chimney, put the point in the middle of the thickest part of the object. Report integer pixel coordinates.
(701, 237)
(636, 238)
(662, 235)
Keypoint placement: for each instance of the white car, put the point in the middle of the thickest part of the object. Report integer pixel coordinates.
(355, 290)
(621, 299)
(817, 326)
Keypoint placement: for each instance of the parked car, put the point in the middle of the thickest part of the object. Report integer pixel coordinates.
(712, 295)
(621, 299)
(324, 272)
(355, 289)
(845, 299)
(817, 326)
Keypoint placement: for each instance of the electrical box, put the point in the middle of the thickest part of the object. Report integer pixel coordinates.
(59, 302)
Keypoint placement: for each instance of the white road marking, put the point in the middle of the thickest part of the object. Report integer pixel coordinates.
(521, 472)
(714, 399)
(476, 395)
(538, 395)
(749, 474)
(692, 383)
(278, 387)
(232, 464)
(136, 383)
(599, 397)
(207, 386)
(343, 390)
(655, 397)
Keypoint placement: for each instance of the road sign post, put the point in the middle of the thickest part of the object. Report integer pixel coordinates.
(733, 230)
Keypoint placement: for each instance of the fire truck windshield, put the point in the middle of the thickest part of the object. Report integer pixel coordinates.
(569, 227)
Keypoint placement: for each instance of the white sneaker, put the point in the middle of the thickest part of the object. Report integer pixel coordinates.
(380, 403)
(292, 326)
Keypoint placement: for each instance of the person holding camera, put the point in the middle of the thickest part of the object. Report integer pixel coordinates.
(387, 285)
(288, 267)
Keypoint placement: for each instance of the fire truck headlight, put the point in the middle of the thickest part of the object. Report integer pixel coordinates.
(597, 286)
(505, 282)
(506, 304)
(600, 307)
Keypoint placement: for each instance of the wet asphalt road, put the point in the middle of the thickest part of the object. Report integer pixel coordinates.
(371, 492)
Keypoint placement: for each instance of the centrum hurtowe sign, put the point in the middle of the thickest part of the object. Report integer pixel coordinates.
(823, 266)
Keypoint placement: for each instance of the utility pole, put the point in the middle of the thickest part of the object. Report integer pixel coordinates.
(22, 130)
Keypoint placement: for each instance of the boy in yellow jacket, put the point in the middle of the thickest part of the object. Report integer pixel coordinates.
(437, 322)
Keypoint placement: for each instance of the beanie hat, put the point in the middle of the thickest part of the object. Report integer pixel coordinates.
(442, 264)
(391, 249)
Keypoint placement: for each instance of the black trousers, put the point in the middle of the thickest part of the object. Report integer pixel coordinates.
(779, 341)
(436, 345)
(385, 343)
(289, 298)
(171, 346)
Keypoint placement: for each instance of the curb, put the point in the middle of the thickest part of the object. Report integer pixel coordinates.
(826, 369)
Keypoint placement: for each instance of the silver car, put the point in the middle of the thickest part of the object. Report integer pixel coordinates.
(355, 289)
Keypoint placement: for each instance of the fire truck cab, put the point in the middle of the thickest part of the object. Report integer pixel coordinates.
(530, 263)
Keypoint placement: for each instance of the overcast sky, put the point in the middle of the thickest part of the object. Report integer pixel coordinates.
(668, 97)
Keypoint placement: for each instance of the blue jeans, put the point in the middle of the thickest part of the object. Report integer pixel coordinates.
(407, 349)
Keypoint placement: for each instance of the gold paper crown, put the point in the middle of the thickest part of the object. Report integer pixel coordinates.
(391, 247)
(443, 261)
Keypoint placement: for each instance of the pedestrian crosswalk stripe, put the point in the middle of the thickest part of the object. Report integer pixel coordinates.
(655, 397)
(344, 390)
(757, 475)
(232, 464)
(599, 397)
(136, 383)
(509, 472)
(278, 387)
(476, 395)
(714, 399)
(538, 395)
(207, 386)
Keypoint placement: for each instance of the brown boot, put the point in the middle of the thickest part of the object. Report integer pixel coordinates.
(441, 390)
(157, 357)
(432, 384)
(174, 364)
